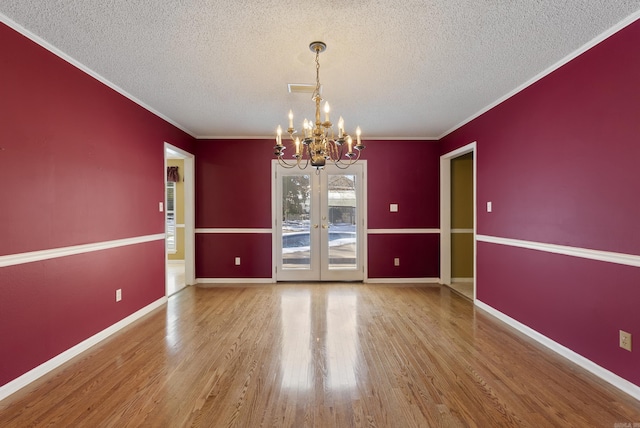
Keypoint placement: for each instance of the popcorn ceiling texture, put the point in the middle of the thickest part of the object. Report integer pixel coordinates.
(397, 68)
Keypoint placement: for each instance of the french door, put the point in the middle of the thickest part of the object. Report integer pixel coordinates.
(319, 223)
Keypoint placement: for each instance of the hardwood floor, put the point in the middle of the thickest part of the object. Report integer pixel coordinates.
(323, 355)
(464, 288)
(175, 276)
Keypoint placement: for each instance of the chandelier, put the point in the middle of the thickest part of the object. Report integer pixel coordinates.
(318, 144)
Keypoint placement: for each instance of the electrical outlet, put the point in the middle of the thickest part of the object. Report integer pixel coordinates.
(396, 261)
(625, 340)
(237, 261)
(118, 294)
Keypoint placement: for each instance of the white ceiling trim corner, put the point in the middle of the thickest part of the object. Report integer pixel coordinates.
(582, 49)
(68, 58)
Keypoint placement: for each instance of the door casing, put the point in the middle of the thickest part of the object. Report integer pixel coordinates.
(360, 274)
(445, 212)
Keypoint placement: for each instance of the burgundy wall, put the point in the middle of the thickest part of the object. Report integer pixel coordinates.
(48, 307)
(216, 253)
(234, 191)
(406, 173)
(559, 163)
(80, 164)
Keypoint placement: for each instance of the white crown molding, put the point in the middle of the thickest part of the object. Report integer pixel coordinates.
(272, 137)
(233, 230)
(615, 380)
(582, 49)
(54, 50)
(585, 253)
(401, 231)
(76, 350)
(36, 256)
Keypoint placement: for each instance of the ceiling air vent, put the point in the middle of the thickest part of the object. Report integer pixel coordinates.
(302, 88)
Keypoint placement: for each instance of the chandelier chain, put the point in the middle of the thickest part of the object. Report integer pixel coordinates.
(317, 91)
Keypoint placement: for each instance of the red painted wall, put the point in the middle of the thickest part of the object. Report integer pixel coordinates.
(418, 254)
(406, 173)
(48, 307)
(234, 191)
(80, 164)
(216, 253)
(579, 303)
(233, 183)
(559, 161)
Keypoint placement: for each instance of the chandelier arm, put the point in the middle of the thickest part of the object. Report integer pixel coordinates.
(351, 161)
(306, 164)
(340, 165)
(286, 164)
(332, 151)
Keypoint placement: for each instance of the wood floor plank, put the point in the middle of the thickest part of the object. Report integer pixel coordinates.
(318, 355)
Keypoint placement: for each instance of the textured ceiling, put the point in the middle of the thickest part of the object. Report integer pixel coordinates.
(397, 68)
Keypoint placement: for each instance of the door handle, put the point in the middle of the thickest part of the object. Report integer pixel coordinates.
(324, 226)
(315, 226)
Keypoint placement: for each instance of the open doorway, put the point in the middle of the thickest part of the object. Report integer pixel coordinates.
(458, 220)
(179, 219)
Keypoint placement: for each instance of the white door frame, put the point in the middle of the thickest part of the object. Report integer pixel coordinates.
(445, 212)
(189, 211)
(361, 229)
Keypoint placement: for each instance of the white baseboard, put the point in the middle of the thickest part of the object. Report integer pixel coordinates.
(604, 374)
(44, 368)
(203, 281)
(402, 280)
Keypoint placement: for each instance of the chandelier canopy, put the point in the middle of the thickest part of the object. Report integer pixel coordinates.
(319, 144)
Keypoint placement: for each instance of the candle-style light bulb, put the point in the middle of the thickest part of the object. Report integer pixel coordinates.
(290, 119)
(350, 144)
(279, 135)
(340, 127)
(358, 132)
(326, 111)
(297, 145)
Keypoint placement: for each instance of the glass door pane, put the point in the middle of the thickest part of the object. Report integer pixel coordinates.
(342, 221)
(319, 224)
(296, 222)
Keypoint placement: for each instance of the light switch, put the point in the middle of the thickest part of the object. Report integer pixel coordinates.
(160, 206)
(489, 207)
(237, 261)
(396, 261)
(393, 208)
